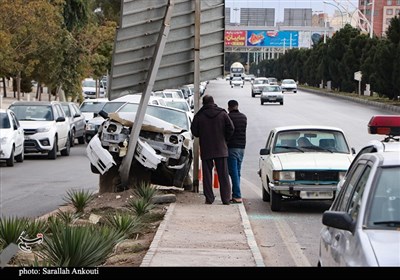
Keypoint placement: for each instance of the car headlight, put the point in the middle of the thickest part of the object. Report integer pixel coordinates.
(284, 175)
(43, 129)
(3, 140)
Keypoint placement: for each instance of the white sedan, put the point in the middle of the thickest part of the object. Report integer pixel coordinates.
(289, 85)
(362, 226)
(11, 138)
(303, 162)
(237, 82)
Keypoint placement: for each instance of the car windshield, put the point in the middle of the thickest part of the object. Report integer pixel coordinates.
(4, 121)
(178, 118)
(33, 112)
(260, 82)
(92, 106)
(385, 201)
(178, 105)
(111, 107)
(89, 83)
(288, 82)
(310, 141)
(271, 88)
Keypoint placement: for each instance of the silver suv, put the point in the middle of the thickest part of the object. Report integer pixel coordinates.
(46, 127)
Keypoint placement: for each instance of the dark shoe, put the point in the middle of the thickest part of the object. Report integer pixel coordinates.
(236, 201)
(207, 202)
(226, 203)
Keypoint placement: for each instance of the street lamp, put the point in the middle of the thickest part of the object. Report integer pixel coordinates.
(371, 31)
(337, 8)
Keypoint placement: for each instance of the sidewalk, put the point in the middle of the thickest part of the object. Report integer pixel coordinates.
(197, 235)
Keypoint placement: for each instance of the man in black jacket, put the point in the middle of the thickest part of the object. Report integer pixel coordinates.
(236, 146)
(214, 128)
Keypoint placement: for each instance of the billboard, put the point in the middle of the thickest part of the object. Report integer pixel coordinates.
(263, 38)
(235, 38)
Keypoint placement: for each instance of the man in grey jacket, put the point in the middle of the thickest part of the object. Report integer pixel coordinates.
(214, 128)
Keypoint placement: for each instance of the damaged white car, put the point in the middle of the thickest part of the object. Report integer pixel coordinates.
(164, 146)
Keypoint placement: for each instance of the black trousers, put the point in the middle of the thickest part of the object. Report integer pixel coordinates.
(225, 188)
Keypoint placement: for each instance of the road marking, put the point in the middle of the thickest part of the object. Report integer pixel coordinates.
(286, 233)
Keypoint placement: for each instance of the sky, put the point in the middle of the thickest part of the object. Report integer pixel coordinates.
(280, 5)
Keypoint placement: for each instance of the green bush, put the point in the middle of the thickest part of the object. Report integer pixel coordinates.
(79, 199)
(145, 190)
(140, 206)
(78, 246)
(125, 223)
(11, 228)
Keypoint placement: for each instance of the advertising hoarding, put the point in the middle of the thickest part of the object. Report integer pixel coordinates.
(235, 38)
(263, 38)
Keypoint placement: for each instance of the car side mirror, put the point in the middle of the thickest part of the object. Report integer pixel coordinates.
(77, 115)
(264, 151)
(340, 220)
(60, 119)
(353, 151)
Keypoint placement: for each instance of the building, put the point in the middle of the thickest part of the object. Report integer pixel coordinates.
(383, 12)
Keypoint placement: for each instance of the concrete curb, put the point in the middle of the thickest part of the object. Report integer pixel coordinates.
(388, 107)
(250, 237)
(157, 238)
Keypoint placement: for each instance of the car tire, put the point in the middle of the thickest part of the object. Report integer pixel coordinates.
(262, 102)
(10, 160)
(53, 152)
(295, 91)
(265, 195)
(281, 102)
(72, 138)
(252, 94)
(67, 149)
(81, 139)
(275, 201)
(94, 169)
(21, 156)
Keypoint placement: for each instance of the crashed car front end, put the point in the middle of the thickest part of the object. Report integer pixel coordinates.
(164, 149)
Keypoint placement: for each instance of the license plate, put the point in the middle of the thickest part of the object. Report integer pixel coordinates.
(316, 195)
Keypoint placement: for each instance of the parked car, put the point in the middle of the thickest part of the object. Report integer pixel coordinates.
(271, 93)
(362, 226)
(164, 149)
(90, 108)
(292, 170)
(181, 105)
(388, 125)
(11, 138)
(89, 89)
(257, 85)
(77, 122)
(45, 125)
(289, 85)
(93, 125)
(237, 82)
(272, 81)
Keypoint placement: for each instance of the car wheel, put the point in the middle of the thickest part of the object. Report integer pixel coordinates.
(10, 160)
(21, 156)
(81, 139)
(281, 102)
(67, 149)
(231, 86)
(72, 138)
(262, 102)
(295, 91)
(265, 195)
(53, 153)
(94, 169)
(252, 94)
(275, 201)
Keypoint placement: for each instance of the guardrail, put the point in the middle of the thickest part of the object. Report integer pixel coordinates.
(353, 99)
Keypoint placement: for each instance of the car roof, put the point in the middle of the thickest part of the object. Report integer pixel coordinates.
(304, 127)
(382, 146)
(96, 100)
(42, 103)
(385, 158)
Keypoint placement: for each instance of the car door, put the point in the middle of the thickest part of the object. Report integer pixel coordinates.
(264, 161)
(18, 134)
(336, 244)
(63, 127)
(79, 120)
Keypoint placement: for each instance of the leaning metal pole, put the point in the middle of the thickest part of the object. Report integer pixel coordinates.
(162, 39)
(196, 148)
